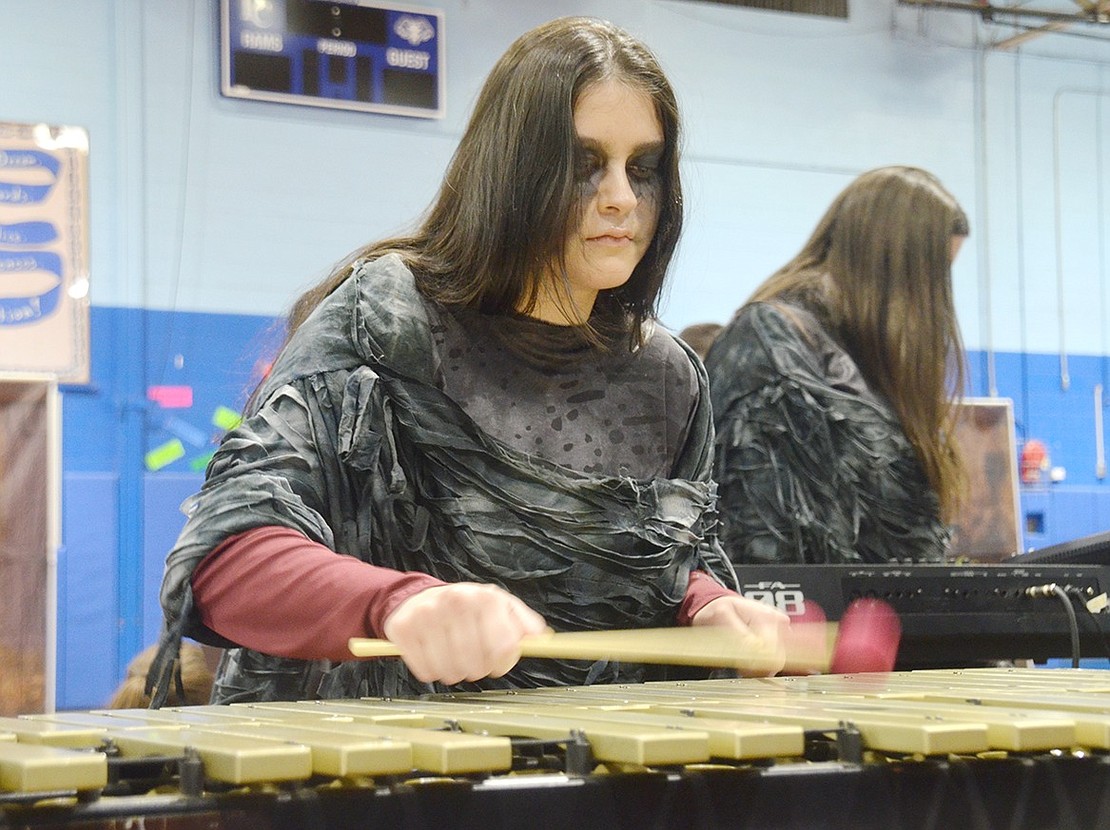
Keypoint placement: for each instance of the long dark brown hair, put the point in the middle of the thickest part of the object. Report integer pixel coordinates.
(496, 229)
(879, 265)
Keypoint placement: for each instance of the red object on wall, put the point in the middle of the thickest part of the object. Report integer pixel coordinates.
(1034, 460)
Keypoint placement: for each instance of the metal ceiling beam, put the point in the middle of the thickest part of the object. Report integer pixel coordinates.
(1029, 34)
(1096, 14)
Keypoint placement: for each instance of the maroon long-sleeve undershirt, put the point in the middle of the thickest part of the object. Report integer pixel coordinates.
(273, 590)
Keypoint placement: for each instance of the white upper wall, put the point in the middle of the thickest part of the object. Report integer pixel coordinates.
(210, 204)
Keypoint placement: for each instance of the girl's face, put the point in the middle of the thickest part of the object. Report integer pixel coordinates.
(619, 149)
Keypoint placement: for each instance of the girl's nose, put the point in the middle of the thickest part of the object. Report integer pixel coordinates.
(616, 195)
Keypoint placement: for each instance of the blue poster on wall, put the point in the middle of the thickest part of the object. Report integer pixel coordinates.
(352, 55)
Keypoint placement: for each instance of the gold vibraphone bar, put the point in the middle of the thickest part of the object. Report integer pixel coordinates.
(974, 748)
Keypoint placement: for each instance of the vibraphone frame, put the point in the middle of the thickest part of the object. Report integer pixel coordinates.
(833, 783)
(1036, 792)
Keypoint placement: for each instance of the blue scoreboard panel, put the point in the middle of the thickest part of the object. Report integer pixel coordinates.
(352, 55)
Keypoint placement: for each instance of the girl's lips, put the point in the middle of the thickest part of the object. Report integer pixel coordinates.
(611, 239)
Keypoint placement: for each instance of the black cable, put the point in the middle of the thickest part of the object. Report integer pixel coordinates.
(1052, 589)
(1079, 600)
(1073, 624)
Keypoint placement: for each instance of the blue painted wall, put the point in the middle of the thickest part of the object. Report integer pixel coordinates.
(120, 516)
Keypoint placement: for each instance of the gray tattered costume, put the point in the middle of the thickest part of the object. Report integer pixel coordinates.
(812, 464)
(354, 442)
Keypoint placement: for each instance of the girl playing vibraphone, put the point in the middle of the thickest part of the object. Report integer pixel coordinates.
(482, 419)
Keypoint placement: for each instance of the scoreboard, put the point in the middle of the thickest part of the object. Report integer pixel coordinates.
(351, 55)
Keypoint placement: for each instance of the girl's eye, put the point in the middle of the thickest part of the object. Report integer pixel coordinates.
(644, 168)
(586, 159)
(585, 165)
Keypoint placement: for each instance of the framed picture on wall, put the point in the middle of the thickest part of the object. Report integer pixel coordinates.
(44, 251)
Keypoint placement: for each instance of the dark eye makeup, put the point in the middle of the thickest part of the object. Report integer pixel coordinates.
(642, 166)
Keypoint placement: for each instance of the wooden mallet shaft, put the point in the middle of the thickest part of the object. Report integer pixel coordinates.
(706, 646)
(865, 640)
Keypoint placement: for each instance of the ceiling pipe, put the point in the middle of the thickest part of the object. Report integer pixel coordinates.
(1095, 14)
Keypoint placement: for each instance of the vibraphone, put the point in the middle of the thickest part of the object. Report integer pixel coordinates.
(974, 748)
